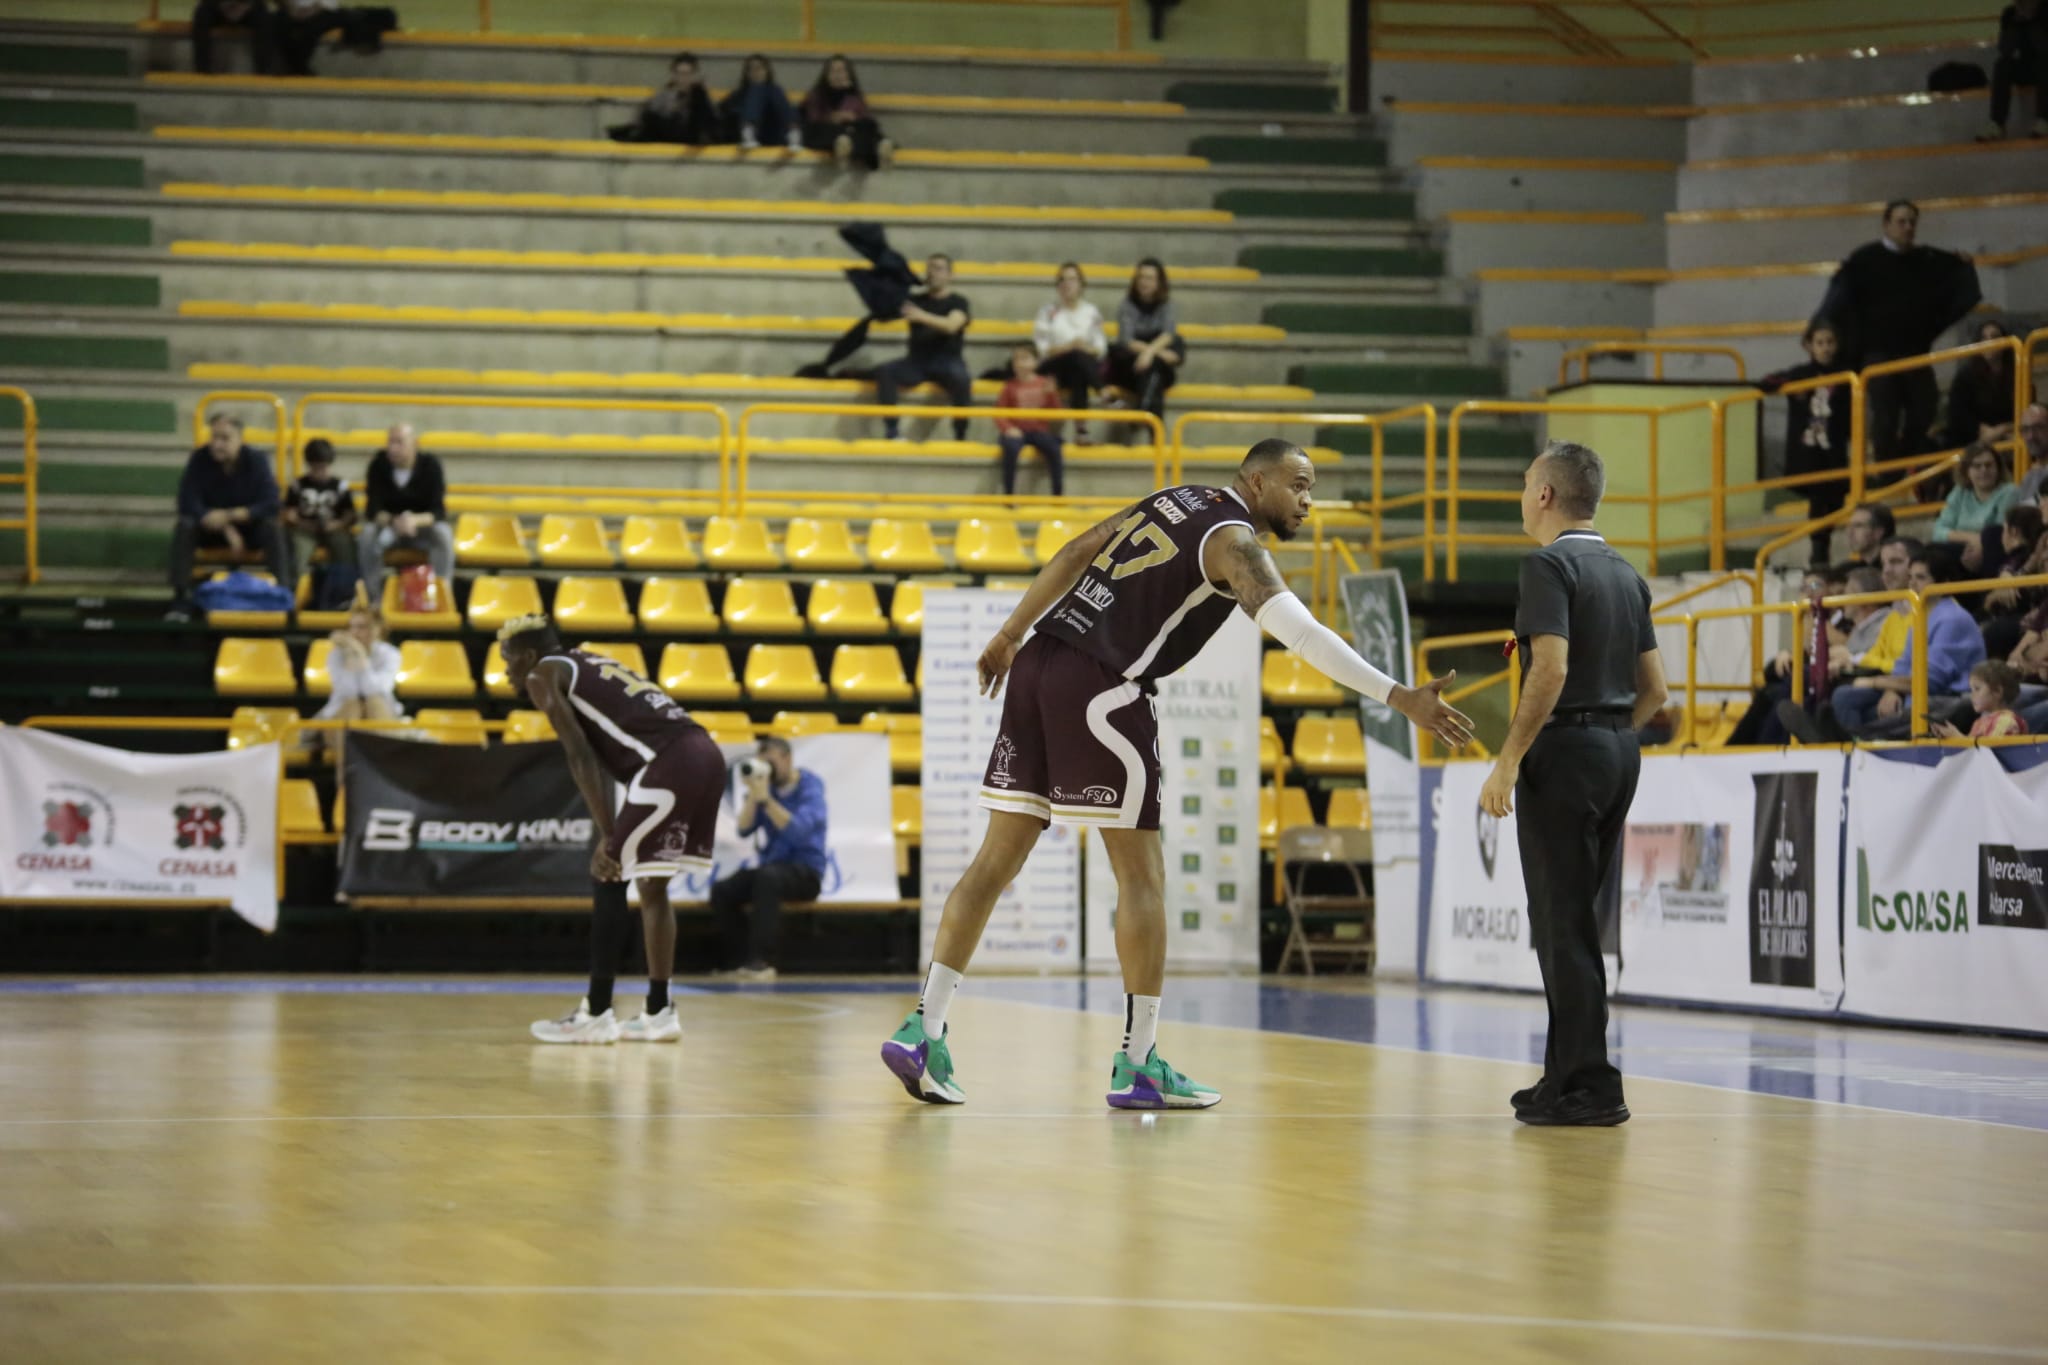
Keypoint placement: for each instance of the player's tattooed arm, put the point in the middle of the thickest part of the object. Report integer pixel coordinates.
(544, 686)
(1235, 556)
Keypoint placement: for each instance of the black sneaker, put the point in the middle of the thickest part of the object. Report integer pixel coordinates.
(1531, 1095)
(1579, 1109)
(1798, 724)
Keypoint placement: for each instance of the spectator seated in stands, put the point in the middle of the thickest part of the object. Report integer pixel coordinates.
(1149, 352)
(227, 499)
(1071, 344)
(938, 320)
(836, 119)
(320, 514)
(1878, 708)
(1816, 428)
(2034, 435)
(756, 113)
(1980, 395)
(253, 15)
(786, 804)
(1970, 529)
(1869, 527)
(2022, 60)
(1028, 389)
(362, 667)
(1851, 634)
(303, 23)
(405, 507)
(2026, 556)
(1994, 688)
(679, 112)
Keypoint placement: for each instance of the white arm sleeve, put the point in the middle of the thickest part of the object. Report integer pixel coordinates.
(1287, 620)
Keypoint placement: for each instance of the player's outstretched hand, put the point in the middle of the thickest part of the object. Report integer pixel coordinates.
(995, 664)
(1426, 707)
(604, 867)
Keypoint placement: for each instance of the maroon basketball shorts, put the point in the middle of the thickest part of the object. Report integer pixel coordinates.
(1079, 743)
(670, 815)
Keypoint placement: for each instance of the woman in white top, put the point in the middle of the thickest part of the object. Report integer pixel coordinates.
(363, 668)
(1068, 334)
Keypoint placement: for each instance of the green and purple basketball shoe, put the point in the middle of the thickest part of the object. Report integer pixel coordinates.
(924, 1064)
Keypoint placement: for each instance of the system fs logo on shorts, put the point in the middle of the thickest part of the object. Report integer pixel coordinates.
(999, 763)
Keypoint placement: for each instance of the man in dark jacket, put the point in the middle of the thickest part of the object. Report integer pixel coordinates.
(252, 15)
(1889, 300)
(405, 500)
(2022, 60)
(227, 498)
(680, 111)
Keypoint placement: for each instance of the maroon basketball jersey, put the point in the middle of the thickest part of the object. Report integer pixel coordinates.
(626, 718)
(1143, 606)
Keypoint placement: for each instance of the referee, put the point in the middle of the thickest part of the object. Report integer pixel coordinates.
(1591, 677)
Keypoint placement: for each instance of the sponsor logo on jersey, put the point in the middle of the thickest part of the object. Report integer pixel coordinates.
(1095, 593)
(1168, 510)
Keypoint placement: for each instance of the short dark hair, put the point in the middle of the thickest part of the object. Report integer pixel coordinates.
(1864, 578)
(775, 742)
(1020, 347)
(1912, 545)
(1165, 285)
(2000, 675)
(1268, 453)
(1938, 566)
(227, 417)
(319, 450)
(529, 632)
(2026, 519)
(937, 256)
(1575, 473)
(1893, 204)
(1815, 328)
(682, 57)
(1880, 516)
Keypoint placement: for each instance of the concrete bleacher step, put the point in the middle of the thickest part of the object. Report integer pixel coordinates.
(1399, 77)
(1418, 129)
(1486, 241)
(1909, 118)
(1867, 70)
(1453, 184)
(1977, 223)
(2016, 166)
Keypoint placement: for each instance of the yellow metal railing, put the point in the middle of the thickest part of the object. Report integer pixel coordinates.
(1583, 356)
(26, 523)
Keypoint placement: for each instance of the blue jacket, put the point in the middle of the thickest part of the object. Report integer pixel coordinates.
(802, 840)
(1954, 647)
(247, 482)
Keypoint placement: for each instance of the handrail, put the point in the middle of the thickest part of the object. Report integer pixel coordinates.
(26, 523)
(2020, 377)
(1719, 487)
(744, 428)
(1424, 648)
(1657, 350)
(283, 436)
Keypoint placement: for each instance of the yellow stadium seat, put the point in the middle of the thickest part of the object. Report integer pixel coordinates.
(495, 599)
(528, 727)
(1052, 535)
(624, 652)
(739, 545)
(869, 673)
(824, 546)
(903, 546)
(451, 726)
(253, 725)
(1284, 812)
(1329, 744)
(727, 727)
(573, 541)
(1287, 680)
(430, 669)
(790, 724)
(318, 684)
(490, 540)
(1349, 809)
(698, 673)
(442, 617)
(253, 668)
(906, 812)
(649, 543)
(1269, 745)
(761, 606)
(783, 673)
(298, 808)
(846, 606)
(588, 604)
(496, 681)
(983, 546)
(906, 605)
(906, 737)
(677, 606)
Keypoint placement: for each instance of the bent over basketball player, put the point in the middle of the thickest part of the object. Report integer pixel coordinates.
(1122, 606)
(609, 718)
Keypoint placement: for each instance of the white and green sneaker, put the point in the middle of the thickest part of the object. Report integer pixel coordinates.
(1155, 1085)
(923, 1063)
(579, 1026)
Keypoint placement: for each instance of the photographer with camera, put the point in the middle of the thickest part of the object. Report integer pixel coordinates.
(788, 804)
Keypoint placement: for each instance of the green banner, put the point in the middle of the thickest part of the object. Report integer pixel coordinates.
(1377, 606)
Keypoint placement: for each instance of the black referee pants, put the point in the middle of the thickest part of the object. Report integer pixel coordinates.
(1571, 804)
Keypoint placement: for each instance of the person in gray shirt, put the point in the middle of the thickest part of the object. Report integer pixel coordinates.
(1149, 351)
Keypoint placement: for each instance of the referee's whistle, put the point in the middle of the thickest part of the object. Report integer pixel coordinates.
(1507, 649)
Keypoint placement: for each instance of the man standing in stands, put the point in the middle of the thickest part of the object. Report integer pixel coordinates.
(405, 498)
(227, 499)
(938, 320)
(1889, 301)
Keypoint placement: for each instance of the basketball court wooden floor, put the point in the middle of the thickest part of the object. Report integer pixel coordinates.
(389, 1171)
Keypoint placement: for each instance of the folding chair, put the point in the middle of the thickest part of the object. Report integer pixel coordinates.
(1303, 848)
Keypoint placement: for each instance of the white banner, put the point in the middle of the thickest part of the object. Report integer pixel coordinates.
(1478, 914)
(1950, 891)
(860, 838)
(1730, 880)
(1037, 921)
(84, 822)
(1208, 811)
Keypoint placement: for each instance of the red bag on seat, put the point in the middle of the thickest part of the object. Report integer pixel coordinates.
(418, 589)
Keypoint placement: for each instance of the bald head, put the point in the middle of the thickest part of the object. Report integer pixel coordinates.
(1267, 456)
(1275, 479)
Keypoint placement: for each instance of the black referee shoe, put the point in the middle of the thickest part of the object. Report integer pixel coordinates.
(1542, 1091)
(1579, 1109)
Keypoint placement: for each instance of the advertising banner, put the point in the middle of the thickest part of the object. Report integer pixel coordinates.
(1730, 880)
(1377, 607)
(89, 823)
(1209, 810)
(1949, 886)
(1478, 913)
(1037, 921)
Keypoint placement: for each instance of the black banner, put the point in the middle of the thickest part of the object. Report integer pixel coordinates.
(1781, 880)
(2012, 886)
(449, 820)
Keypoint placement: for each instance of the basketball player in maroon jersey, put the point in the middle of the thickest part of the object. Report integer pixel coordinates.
(610, 719)
(1120, 607)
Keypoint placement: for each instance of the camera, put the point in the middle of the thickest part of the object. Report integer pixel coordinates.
(751, 768)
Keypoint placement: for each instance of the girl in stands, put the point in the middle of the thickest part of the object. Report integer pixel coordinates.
(1149, 351)
(1071, 345)
(836, 119)
(757, 112)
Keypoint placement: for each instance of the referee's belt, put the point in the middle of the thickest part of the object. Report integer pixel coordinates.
(1606, 719)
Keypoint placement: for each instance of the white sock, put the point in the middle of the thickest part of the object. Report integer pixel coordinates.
(1141, 1026)
(939, 984)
